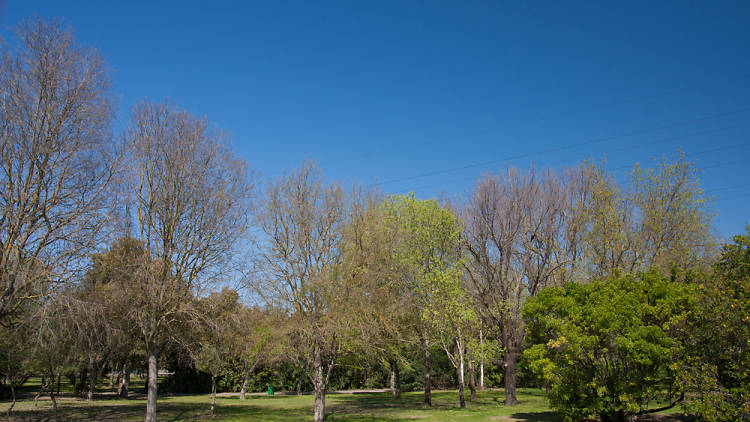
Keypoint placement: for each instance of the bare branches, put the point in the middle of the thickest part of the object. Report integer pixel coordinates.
(192, 200)
(516, 231)
(57, 159)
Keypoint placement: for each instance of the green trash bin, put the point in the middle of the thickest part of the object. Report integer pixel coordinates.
(270, 390)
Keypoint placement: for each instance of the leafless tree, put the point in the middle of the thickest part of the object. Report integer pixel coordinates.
(514, 224)
(57, 159)
(191, 198)
(302, 221)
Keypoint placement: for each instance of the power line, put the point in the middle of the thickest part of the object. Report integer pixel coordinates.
(729, 187)
(544, 118)
(565, 147)
(630, 147)
(727, 163)
(734, 197)
(705, 151)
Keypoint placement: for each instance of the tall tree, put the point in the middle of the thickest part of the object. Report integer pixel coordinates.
(302, 221)
(425, 253)
(383, 316)
(451, 314)
(514, 224)
(192, 199)
(57, 159)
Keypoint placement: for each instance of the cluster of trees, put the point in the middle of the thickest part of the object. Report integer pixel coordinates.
(113, 250)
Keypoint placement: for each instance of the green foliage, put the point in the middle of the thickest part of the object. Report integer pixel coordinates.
(427, 253)
(716, 369)
(675, 222)
(605, 348)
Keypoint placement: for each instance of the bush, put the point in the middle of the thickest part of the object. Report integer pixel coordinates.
(606, 348)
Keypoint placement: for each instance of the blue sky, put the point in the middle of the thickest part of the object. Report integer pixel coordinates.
(428, 95)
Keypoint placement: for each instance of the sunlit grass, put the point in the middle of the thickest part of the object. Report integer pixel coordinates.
(340, 407)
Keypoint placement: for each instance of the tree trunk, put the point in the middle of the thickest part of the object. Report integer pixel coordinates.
(243, 390)
(299, 385)
(395, 379)
(41, 390)
(151, 399)
(510, 376)
(427, 365)
(54, 401)
(460, 353)
(319, 384)
(39, 393)
(111, 376)
(13, 396)
(213, 394)
(248, 371)
(92, 379)
(481, 362)
(124, 380)
(472, 382)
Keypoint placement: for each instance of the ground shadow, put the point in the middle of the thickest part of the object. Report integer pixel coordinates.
(535, 417)
(166, 412)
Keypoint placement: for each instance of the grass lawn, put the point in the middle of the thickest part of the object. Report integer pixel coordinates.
(339, 407)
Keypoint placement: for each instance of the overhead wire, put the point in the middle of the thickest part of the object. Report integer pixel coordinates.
(542, 118)
(565, 147)
(625, 148)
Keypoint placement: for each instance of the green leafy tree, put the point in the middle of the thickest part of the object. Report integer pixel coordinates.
(216, 327)
(716, 370)
(661, 219)
(607, 348)
(425, 251)
(454, 321)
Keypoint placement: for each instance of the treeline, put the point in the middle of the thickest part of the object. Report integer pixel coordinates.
(117, 253)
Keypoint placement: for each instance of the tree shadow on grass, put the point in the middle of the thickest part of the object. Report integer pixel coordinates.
(383, 407)
(165, 412)
(535, 417)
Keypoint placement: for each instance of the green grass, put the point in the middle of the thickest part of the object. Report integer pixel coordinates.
(30, 387)
(489, 406)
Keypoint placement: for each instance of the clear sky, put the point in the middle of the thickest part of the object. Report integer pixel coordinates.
(428, 95)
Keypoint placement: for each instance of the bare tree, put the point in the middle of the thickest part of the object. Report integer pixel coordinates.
(57, 159)
(192, 199)
(513, 225)
(302, 221)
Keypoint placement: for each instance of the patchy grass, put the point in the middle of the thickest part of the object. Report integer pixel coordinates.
(31, 386)
(368, 407)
